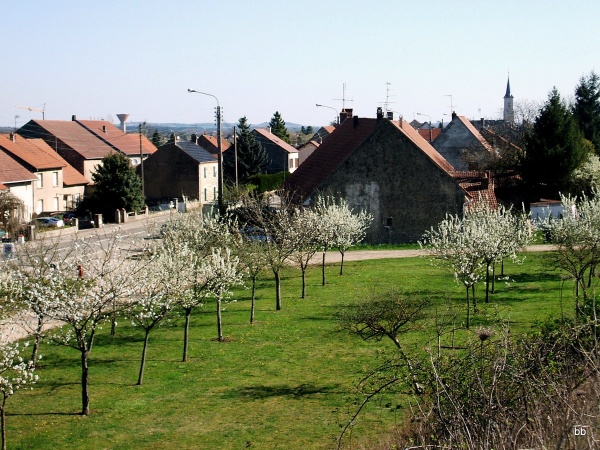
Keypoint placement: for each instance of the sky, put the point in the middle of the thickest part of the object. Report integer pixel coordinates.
(98, 59)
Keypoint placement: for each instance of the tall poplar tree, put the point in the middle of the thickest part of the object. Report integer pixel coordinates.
(278, 128)
(554, 149)
(586, 108)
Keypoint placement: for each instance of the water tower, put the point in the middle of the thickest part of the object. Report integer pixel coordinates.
(123, 119)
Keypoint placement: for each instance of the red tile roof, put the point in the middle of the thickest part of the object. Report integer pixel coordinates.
(334, 150)
(13, 172)
(211, 144)
(280, 142)
(126, 143)
(2, 187)
(479, 186)
(28, 152)
(73, 135)
(424, 132)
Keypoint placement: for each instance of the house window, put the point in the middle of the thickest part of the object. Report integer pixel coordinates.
(389, 222)
(205, 195)
(205, 172)
(55, 179)
(214, 193)
(40, 206)
(56, 207)
(40, 180)
(214, 171)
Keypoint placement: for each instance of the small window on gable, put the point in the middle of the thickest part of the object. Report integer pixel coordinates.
(55, 179)
(205, 172)
(389, 222)
(40, 180)
(214, 171)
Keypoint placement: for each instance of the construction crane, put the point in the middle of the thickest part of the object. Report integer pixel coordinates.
(31, 108)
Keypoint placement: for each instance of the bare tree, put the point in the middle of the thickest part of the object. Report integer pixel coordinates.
(307, 230)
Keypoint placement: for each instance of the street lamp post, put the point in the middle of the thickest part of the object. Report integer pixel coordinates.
(430, 129)
(337, 115)
(219, 150)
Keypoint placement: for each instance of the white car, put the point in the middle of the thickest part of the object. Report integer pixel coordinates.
(49, 222)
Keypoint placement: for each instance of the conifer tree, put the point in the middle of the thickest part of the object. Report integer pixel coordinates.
(278, 128)
(251, 156)
(586, 108)
(554, 148)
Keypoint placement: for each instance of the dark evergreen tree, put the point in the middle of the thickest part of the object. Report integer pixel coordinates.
(586, 108)
(277, 125)
(116, 186)
(251, 156)
(157, 139)
(554, 148)
(309, 130)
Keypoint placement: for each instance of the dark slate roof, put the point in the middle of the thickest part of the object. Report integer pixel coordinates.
(198, 153)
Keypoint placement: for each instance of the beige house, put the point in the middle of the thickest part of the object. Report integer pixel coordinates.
(83, 143)
(19, 182)
(58, 186)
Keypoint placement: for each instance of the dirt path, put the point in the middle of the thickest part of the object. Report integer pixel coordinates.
(16, 329)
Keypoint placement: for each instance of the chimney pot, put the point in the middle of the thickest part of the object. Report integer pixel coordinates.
(73, 117)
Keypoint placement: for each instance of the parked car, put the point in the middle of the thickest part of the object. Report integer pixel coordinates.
(85, 222)
(255, 234)
(49, 222)
(67, 217)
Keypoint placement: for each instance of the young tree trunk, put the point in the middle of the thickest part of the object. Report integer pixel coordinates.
(143, 363)
(113, 319)
(3, 422)
(219, 322)
(253, 299)
(323, 269)
(85, 396)
(303, 281)
(468, 309)
(494, 277)
(342, 264)
(36, 341)
(474, 298)
(186, 333)
(487, 283)
(277, 290)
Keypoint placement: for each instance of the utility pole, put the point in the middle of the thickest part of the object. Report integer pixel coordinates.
(235, 156)
(142, 161)
(221, 204)
(220, 163)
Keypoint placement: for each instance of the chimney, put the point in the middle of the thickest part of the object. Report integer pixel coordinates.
(454, 115)
(13, 137)
(74, 118)
(355, 121)
(390, 115)
(379, 114)
(482, 122)
(194, 138)
(104, 129)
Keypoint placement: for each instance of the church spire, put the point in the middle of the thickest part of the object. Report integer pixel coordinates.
(508, 94)
(509, 112)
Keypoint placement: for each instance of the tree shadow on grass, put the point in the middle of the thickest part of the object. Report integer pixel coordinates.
(533, 277)
(263, 392)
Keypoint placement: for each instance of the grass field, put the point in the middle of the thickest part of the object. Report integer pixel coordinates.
(286, 382)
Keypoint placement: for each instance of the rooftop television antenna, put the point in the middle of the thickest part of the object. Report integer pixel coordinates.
(32, 108)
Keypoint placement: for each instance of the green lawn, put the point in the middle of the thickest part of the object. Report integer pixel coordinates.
(288, 381)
